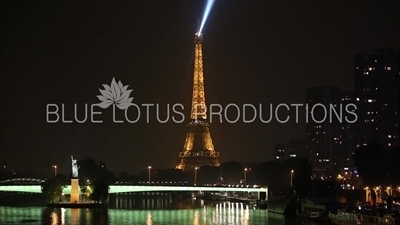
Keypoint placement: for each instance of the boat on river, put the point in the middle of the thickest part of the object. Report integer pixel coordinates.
(348, 216)
(282, 205)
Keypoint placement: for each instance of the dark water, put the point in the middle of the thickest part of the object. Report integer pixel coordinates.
(126, 210)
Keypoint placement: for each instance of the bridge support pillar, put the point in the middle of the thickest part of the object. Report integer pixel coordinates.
(74, 190)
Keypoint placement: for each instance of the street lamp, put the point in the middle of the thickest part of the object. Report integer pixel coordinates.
(245, 171)
(55, 170)
(195, 175)
(291, 178)
(389, 191)
(149, 173)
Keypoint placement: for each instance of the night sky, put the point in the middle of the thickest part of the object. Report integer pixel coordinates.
(254, 52)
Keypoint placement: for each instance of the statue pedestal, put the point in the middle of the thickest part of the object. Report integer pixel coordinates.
(74, 190)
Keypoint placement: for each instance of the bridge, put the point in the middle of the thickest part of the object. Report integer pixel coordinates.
(34, 186)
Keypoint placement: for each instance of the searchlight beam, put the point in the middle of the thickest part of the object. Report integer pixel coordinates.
(207, 11)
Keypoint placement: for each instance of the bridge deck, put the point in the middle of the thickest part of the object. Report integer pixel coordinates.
(137, 188)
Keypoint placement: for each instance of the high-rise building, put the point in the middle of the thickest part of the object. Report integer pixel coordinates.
(280, 152)
(347, 132)
(321, 132)
(298, 149)
(376, 80)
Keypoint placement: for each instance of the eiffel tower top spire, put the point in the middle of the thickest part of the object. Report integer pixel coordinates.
(198, 110)
(194, 156)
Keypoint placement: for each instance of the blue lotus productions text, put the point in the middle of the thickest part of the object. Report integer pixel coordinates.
(230, 113)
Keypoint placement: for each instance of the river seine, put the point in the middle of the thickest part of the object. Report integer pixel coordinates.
(126, 210)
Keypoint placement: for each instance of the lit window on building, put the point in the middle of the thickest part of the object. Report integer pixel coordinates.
(389, 144)
(389, 136)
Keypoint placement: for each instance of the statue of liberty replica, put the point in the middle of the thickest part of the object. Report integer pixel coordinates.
(74, 181)
(75, 167)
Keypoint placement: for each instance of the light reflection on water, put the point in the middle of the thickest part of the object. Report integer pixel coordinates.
(221, 213)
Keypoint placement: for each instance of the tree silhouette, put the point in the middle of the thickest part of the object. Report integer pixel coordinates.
(52, 189)
(88, 169)
(302, 172)
(207, 175)
(393, 166)
(100, 190)
(232, 172)
(372, 164)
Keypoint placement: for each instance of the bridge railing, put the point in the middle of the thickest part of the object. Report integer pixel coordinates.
(172, 183)
(21, 181)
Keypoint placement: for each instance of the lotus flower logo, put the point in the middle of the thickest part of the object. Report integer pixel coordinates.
(116, 94)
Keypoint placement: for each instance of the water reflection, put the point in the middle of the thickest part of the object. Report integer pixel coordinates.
(57, 216)
(231, 213)
(149, 221)
(62, 216)
(196, 219)
(54, 218)
(154, 212)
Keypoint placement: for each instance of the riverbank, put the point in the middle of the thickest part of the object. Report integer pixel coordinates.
(22, 200)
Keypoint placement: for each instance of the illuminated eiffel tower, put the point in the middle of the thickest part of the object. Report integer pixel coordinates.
(199, 129)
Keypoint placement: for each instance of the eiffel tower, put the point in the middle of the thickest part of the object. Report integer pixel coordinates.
(202, 153)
